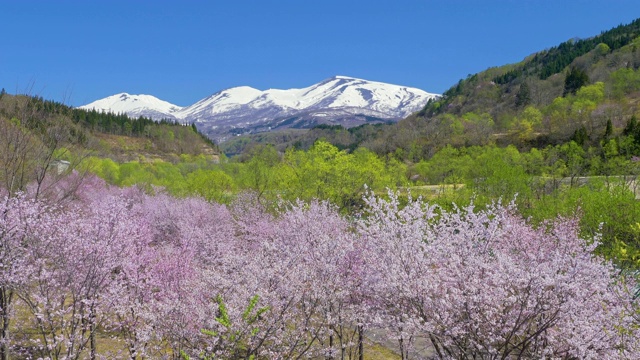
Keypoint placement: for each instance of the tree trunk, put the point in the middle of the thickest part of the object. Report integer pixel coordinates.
(360, 342)
(92, 334)
(5, 303)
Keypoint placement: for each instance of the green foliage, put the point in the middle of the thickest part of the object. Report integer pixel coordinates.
(556, 59)
(498, 173)
(608, 132)
(624, 81)
(632, 128)
(626, 252)
(324, 172)
(523, 127)
(591, 93)
(580, 136)
(212, 185)
(574, 80)
(233, 339)
(615, 228)
(547, 183)
(447, 166)
(602, 49)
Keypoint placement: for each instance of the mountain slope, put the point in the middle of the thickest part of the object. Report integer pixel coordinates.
(496, 90)
(135, 106)
(533, 103)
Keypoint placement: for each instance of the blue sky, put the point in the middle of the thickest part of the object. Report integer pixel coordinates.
(183, 51)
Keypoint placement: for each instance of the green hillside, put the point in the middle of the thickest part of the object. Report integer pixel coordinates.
(35, 132)
(541, 76)
(577, 86)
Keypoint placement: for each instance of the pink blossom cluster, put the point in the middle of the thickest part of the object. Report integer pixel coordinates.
(166, 277)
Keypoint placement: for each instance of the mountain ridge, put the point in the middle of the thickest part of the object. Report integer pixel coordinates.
(339, 100)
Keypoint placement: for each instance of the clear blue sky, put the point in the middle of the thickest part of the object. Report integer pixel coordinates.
(182, 51)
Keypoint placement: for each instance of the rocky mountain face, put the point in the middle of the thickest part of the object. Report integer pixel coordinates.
(241, 110)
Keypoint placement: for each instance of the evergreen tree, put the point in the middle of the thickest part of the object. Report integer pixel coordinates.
(523, 98)
(575, 79)
(632, 126)
(609, 130)
(633, 129)
(580, 136)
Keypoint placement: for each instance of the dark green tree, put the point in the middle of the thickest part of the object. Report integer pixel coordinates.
(632, 127)
(523, 98)
(609, 130)
(633, 131)
(576, 78)
(580, 136)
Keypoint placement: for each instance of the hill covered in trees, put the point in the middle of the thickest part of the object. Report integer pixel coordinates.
(574, 91)
(34, 133)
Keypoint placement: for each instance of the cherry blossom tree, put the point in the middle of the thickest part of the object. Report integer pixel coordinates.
(175, 277)
(327, 259)
(77, 258)
(485, 284)
(397, 264)
(18, 217)
(293, 271)
(202, 232)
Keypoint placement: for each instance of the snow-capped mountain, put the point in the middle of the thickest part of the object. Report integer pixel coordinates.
(135, 106)
(339, 100)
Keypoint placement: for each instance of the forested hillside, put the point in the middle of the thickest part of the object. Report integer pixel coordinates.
(164, 136)
(34, 133)
(582, 90)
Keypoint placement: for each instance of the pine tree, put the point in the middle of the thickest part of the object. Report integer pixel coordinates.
(631, 127)
(523, 98)
(575, 79)
(609, 130)
(580, 136)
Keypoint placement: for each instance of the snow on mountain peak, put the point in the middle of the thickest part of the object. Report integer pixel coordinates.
(345, 97)
(344, 77)
(126, 103)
